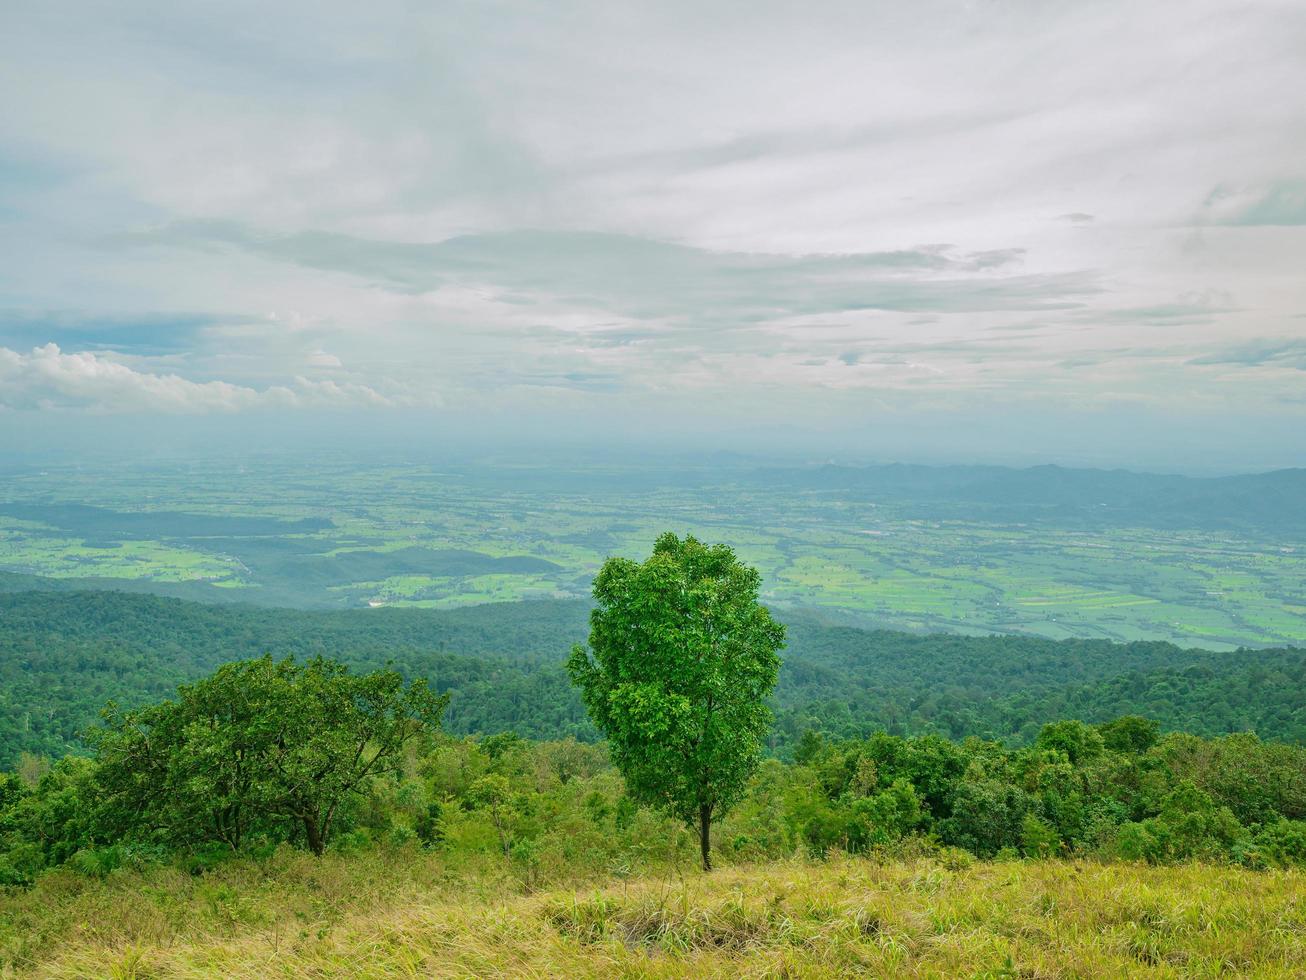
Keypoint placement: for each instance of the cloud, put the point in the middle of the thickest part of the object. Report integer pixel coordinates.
(649, 279)
(49, 378)
(1281, 202)
(147, 333)
(585, 204)
(1195, 307)
(321, 359)
(1285, 353)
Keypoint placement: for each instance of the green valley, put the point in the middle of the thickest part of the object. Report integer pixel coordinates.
(1217, 563)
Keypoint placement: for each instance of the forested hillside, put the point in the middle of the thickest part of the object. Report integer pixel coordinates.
(64, 654)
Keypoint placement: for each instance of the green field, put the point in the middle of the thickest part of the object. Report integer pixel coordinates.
(341, 534)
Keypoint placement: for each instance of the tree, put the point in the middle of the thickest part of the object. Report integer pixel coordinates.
(681, 661)
(1077, 740)
(1130, 733)
(258, 746)
(495, 796)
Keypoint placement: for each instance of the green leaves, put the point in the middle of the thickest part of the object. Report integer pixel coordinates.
(680, 663)
(261, 747)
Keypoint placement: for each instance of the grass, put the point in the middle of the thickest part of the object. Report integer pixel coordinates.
(406, 913)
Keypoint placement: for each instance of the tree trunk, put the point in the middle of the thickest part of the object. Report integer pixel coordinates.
(705, 834)
(315, 843)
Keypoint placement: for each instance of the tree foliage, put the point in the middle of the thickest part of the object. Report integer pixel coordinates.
(259, 743)
(557, 809)
(681, 663)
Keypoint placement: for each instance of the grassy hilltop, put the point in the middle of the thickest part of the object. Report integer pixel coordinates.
(398, 913)
(886, 857)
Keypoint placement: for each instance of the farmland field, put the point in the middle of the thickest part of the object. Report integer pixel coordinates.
(318, 534)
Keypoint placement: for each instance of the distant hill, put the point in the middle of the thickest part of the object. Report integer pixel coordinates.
(1270, 503)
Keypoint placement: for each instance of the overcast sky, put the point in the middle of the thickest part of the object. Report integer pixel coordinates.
(1070, 231)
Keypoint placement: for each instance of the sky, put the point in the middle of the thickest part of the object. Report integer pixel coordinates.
(995, 230)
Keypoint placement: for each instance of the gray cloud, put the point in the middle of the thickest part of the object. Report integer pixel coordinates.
(1281, 202)
(1287, 353)
(1199, 307)
(582, 206)
(643, 278)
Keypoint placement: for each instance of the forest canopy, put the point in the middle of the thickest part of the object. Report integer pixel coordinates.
(63, 655)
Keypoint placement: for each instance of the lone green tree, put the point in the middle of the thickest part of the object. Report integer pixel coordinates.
(680, 663)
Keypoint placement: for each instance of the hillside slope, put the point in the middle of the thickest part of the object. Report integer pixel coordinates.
(406, 914)
(64, 654)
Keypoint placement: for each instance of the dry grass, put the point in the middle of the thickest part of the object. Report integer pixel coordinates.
(403, 914)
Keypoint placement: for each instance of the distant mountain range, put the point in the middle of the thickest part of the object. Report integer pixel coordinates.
(1273, 502)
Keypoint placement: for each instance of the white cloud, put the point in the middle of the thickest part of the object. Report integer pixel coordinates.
(321, 359)
(50, 378)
